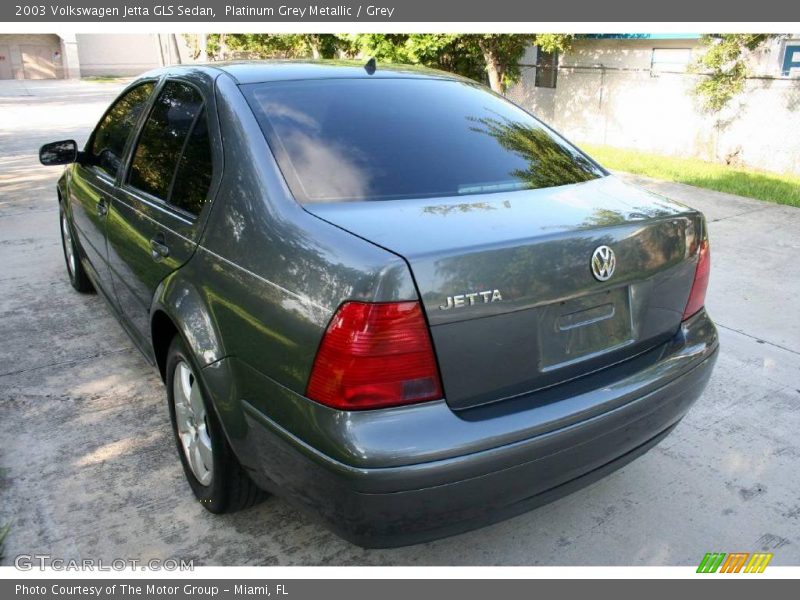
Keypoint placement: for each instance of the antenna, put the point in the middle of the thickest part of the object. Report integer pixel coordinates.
(371, 66)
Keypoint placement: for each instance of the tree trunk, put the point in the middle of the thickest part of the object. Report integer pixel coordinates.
(173, 40)
(493, 67)
(222, 48)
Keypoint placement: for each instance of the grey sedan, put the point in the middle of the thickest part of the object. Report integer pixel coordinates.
(386, 293)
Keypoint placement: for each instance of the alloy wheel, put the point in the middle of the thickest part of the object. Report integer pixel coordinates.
(192, 423)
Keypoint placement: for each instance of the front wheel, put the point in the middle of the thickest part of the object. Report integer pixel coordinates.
(77, 275)
(217, 479)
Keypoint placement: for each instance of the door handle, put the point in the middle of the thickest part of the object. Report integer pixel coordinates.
(158, 247)
(102, 207)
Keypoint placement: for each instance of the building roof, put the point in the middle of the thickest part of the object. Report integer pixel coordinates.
(641, 36)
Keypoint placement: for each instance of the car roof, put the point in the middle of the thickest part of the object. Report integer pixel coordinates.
(259, 71)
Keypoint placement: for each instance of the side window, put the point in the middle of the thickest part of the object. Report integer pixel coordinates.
(163, 136)
(670, 60)
(108, 141)
(195, 170)
(546, 69)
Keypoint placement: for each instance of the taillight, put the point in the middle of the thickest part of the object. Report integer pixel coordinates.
(697, 297)
(375, 355)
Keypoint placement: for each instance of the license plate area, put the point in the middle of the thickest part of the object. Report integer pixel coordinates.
(576, 330)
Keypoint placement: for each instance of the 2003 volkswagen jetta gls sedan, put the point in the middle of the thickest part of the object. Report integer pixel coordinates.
(389, 294)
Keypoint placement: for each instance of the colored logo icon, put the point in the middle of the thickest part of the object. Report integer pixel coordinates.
(735, 562)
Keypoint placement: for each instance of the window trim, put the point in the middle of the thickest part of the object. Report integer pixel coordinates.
(158, 204)
(165, 204)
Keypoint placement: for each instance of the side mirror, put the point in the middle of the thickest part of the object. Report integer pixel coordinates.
(58, 153)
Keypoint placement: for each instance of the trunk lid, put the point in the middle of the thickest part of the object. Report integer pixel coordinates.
(507, 285)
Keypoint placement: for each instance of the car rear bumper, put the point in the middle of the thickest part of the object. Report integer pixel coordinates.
(401, 476)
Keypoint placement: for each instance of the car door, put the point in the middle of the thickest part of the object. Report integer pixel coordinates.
(155, 219)
(92, 181)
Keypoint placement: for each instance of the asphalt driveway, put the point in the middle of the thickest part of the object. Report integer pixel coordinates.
(89, 469)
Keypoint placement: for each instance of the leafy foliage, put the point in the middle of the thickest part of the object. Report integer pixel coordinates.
(725, 63)
(554, 42)
(440, 51)
(265, 45)
(549, 164)
(477, 56)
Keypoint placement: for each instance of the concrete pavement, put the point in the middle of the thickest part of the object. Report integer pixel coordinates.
(90, 469)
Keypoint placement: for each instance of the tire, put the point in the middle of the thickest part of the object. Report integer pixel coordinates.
(75, 271)
(217, 479)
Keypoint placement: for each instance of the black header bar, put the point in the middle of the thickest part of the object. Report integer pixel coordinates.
(397, 11)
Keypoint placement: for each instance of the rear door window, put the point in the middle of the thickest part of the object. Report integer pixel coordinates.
(195, 170)
(164, 136)
(109, 139)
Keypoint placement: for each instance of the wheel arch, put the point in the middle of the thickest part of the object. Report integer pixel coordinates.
(162, 330)
(61, 187)
(180, 308)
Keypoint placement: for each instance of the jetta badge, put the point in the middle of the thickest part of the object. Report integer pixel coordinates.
(603, 263)
(462, 300)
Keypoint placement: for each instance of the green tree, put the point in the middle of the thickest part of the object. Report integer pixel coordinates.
(448, 52)
(501, 55)
(549, 164)
(477, 56)
(266, 45)
(322, 45)
(381, 46)
(725, 64)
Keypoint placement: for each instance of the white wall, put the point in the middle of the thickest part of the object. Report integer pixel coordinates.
(12, 47)
(606, 93)
(128, 54)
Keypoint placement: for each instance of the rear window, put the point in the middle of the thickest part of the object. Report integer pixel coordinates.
(339, 140)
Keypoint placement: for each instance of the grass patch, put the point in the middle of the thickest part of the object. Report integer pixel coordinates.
(103, 79)
(772, 187)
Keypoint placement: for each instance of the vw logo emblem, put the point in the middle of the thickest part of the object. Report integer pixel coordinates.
(603, 263)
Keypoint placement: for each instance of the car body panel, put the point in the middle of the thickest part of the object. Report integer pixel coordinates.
(549, 319)
(408, 503)
(87, 188)
(136, 272)
(430, 432)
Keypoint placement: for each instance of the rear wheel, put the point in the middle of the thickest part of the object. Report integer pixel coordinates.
(217, 479)
(77, 275)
